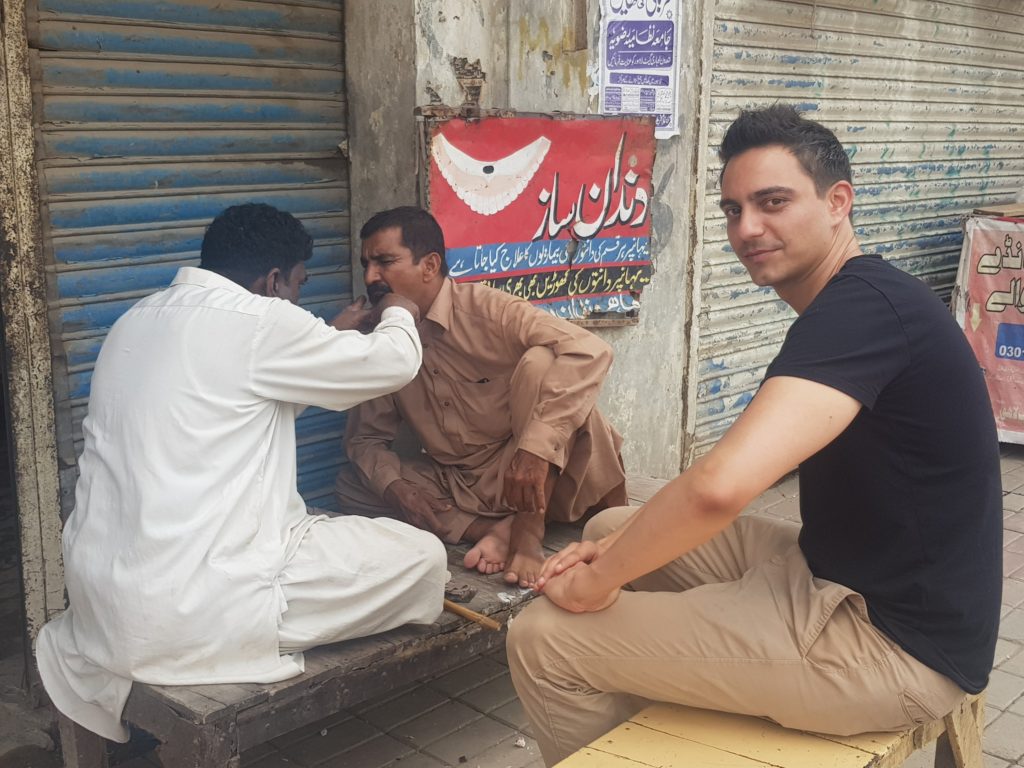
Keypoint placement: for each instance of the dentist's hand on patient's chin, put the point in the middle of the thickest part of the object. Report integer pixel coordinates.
(361, 316)
(394, 300)
(354, 316)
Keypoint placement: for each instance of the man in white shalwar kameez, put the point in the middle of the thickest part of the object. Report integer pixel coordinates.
(190, 557)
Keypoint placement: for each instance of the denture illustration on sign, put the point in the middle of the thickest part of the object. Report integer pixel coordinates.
(488, 186)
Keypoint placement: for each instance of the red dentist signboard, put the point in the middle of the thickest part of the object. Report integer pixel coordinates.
(555, 210)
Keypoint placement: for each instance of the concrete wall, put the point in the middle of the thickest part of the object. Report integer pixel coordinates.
(536, 57)
(25, 337)
(381, 90)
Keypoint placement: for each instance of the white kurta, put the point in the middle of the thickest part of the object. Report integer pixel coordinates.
(186, 509)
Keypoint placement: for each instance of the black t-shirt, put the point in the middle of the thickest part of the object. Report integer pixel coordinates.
(905, 506)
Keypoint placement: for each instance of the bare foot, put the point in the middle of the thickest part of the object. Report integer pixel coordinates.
(489, 553)
(526, 552)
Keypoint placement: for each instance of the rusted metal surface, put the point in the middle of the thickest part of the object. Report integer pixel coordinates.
(151, 119)
(27, 344)
(927, 97)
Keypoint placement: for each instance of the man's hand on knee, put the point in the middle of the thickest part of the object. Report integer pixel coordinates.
(560, 562)
(526, 480)
(579, 590)
(420, 508)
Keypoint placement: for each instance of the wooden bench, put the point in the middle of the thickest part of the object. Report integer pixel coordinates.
(208, 726)
(672, 735)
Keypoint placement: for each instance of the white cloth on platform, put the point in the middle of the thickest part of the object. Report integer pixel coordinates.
(188, 535)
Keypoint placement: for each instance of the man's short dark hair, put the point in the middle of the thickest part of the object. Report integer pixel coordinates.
(814, 146)
(421, 233)
(246, 241)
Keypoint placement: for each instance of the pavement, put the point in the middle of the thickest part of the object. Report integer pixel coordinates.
(471, 716)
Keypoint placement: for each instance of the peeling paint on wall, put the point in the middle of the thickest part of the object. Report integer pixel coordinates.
(23, 298)
(545, 67)
(552, 56)
(471, 78)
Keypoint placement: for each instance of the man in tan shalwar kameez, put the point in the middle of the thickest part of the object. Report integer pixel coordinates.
(503, 407)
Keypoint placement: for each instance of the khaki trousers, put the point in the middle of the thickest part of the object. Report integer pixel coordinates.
(737, 625)
(593, 474)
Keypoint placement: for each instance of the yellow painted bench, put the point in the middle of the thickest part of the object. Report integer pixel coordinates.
(672, 736)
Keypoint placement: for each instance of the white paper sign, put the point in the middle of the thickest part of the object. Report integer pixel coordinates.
(639, 59)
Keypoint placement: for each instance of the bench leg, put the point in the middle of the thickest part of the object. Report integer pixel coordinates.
(960, 745)
(81, 747)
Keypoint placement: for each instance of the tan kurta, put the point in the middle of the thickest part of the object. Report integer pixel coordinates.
(473, 404)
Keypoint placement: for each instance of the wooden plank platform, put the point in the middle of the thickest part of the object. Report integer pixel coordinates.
(207, 726)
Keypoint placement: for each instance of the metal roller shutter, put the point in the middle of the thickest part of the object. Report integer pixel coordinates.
(928, 99)
(155, 115)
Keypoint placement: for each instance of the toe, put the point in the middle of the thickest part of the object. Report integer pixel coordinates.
(473, 558)
(511, 577)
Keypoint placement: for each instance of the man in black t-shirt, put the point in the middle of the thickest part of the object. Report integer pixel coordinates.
(883, 609)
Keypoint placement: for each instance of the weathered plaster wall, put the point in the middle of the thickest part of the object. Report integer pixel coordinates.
(548, 70)
(26, 341)
(536, 57)
(548, 60)
(380, 65)
(473, 30)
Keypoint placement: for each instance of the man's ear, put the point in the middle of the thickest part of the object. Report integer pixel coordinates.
(268, 284)
(840, 200)
(430, 266)
(273, 280)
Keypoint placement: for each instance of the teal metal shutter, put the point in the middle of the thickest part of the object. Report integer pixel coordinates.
(927, 98)
(155, 115)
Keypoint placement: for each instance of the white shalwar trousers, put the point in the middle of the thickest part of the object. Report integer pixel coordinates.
(345, 577)
(353, 576)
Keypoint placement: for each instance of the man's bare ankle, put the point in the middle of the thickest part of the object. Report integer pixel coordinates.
(482, 526)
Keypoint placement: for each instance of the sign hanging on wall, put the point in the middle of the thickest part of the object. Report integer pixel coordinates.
(988, 302)
(555, 210)
(640, 61)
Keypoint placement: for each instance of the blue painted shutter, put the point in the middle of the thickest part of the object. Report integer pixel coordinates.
(155, 115)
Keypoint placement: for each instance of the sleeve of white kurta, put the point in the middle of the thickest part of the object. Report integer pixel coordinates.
(570, 389)
(369, 433)
(298, 358)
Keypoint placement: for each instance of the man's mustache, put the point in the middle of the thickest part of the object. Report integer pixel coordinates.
(377, 291)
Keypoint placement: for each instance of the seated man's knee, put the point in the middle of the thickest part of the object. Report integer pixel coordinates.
(530, 629)
(437, 556)
(429, 555)
(606, 521)
(532, 367)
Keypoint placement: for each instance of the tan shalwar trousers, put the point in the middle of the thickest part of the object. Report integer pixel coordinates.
(593, 475)
(737, 625)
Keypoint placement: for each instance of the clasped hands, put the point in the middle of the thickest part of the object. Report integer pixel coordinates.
(569, 580)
